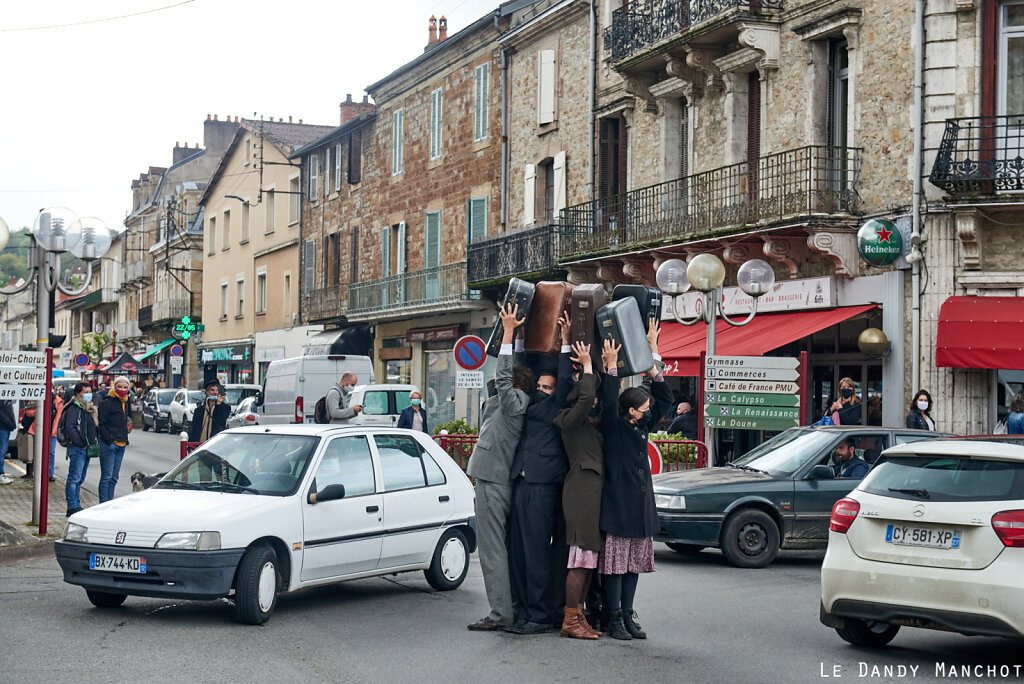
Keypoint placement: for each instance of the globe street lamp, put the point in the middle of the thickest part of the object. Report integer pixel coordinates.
(706, 273)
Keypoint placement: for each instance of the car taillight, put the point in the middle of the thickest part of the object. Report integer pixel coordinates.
(843, 514)
(298, 410)
(249, 417)
(1009, 527)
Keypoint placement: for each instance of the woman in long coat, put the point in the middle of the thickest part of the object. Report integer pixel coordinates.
(581, 493)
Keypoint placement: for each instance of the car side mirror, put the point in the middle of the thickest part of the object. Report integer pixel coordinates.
(821, 472)
(259, 398)
(330, 493)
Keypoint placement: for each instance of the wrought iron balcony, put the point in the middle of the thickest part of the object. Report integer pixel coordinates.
(705, 10)
(434, 289)
(981, 155)
(325, 302)
(524, 252)
(796, 183)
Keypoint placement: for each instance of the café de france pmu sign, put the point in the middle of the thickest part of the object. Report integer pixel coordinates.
(751, 392)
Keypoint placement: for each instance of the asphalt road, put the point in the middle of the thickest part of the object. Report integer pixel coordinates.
(707, 622)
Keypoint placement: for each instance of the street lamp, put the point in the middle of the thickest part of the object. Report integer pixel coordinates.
(706, 273)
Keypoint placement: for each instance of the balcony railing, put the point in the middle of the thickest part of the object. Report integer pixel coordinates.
(513, 254)
(145, 316)
(646, 23)
(170, 309)
(326, 302)
(139, 270)
(981, 155)
(444, 284)
(105, 295)
(799, 182)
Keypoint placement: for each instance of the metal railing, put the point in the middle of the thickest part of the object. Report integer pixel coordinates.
(429, 286)
(325, 302)
(145, 316)
(704, 10)
(103, 295)
(511, 254)
(981, 155)
(799, 182)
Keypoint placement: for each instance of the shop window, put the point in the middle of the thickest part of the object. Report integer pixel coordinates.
(399, 372)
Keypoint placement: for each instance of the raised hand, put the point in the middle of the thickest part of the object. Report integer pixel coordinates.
(653, 330)
(581, 355)
(563, 327)
(610, 354)
(509, 322)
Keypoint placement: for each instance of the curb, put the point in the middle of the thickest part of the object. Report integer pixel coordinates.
(20, 552)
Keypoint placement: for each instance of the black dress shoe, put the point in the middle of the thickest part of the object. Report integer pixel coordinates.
(53, 479)
(485, 624)
(72, 511)
(528, 627)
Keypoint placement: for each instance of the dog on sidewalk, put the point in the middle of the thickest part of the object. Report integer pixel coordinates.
(142, 481)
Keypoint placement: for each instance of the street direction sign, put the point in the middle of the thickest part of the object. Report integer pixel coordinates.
(22, 392)
(752, 374)
(758, 362)
(730, 423)
(784, 412)
(748, 399)
(22, 375)
(469, 379)
(470, 353)
(716, 386)
(23, 358)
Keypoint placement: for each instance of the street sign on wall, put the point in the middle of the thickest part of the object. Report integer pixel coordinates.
(469, 379)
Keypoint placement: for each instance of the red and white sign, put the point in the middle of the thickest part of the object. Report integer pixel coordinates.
(470, 353)
(654, 455)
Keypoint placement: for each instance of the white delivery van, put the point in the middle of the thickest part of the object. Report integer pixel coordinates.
(382, 404)
(293, 386)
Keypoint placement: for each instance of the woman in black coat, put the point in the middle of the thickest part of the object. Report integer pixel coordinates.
(629, 518)
(413, 416)
(920, 415)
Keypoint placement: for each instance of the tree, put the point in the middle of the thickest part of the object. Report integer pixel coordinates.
(93, 345)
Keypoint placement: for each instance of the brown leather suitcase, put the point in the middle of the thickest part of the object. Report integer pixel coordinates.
(550, 301)
(520, 293)
(648, 299)
(620, 322)
(587, 300)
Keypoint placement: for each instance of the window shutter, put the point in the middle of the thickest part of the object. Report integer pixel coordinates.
(559, 169)
(433, 240)
(314, 172)
(529, 196)
(476, 215)
(623, 150)
(355, 156)
(546, 86)
(337, 167)
(396, 143)
(385, 251)
(353, 256)
(753, 132)
(435, 124)
(480, 110)
(400, 259)
(604, 158)
(327, 171)
(308, 267)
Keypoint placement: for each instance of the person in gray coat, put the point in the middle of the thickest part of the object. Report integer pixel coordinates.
(338, 398)
(489, 465)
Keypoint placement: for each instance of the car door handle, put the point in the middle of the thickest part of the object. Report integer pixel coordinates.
(443, 498)
(372, 509)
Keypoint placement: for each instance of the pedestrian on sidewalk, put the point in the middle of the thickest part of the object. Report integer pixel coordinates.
(629, 518)
(581, 493)
(8, 424)
(212, 416)
(115, 419)
(1015, 421)
(919, 416)
(80, 427)
(56, 406)
(27, 445)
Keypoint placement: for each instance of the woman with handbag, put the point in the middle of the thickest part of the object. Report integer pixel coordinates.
(846, 410)
(80, 420)
(115, 419)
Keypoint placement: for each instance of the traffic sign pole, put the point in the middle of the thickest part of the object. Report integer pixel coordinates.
(43, 471)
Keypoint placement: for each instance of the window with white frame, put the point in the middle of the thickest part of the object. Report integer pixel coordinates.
(327, 171)
(545, 86)
(314, 176)
(435, 123)
(337, 167)
(270, 207)
(245, 222)
(482, 95)
(226, 228)
(287, 291)
(432, 253)
(396, 142)
(476, 219)
(261, 291)
(223, 300)
(211, 235)
(240, 301)
(294, 198)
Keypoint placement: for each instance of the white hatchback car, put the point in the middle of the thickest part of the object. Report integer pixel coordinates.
(261, 510)
(934, 538)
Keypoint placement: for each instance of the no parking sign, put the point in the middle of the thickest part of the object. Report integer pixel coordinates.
(470, 353)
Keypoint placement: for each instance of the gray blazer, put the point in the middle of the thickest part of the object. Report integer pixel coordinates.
(337, 404)
(500, 428)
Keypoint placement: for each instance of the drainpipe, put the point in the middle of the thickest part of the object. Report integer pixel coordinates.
(915, 279)
(504, 134)
(592, 83)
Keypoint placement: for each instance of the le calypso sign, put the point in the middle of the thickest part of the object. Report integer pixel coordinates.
(879, 242)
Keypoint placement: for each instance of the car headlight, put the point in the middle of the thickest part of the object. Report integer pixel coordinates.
(163, 414)
(192, 541)
(77, 533)
(675, 502)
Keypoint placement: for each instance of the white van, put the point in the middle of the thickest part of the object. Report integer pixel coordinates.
(293, 386)
(382, 404)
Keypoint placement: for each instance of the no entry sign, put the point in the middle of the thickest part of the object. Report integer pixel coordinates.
(470, 353)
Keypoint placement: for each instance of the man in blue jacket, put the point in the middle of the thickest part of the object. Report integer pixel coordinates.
(848, 464)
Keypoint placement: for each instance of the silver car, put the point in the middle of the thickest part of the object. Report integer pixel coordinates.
(244, 414)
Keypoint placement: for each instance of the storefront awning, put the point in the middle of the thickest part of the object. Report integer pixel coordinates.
(980, 332)
(157, 349)
(681, 345)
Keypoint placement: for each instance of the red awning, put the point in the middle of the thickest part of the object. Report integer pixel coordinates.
(681, 345)
(981, 332)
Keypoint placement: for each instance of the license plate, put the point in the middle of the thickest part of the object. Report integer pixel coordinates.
(133, 564)
(905, 535)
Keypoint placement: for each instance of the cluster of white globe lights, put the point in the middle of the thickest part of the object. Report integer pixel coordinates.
(58, 230)
(706, 273)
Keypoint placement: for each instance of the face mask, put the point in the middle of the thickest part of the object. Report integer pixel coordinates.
(846, 392)
(414, 402)
(922, 405)
(213, 398)
(87, 397)
(122, 392)
(347, 389)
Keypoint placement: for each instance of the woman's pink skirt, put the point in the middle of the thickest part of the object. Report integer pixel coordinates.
(582, 558)
(626, 554)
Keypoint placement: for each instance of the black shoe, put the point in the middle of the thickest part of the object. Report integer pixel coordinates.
(485, 624)
(26, 476)
(72, 511)
(53, 479)
(527, 627)
(616, 629)
(632, 626)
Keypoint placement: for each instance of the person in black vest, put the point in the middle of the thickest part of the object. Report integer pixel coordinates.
(684, 422)
(537, 472)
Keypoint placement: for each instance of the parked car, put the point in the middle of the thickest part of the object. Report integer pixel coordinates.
(181, 407)
(293, 386)
(777, 496)
(934, 538)
(382, 404)
(156, 409)
(244, 414)
(235, 392)
(258, 511)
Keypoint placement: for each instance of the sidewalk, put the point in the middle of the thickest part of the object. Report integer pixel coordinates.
(18, 538)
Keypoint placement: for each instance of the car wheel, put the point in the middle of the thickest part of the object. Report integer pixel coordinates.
(450, 563)
(867, 632)
(256, 585)
(145, 425)
(103, 599)
(750, 539)
(685, 548)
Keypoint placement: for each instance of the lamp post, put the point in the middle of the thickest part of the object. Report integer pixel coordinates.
(706, 273)
(56, 230)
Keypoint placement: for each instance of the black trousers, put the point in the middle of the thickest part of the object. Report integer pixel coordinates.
(537, 551)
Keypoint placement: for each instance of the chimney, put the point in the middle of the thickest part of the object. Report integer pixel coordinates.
(289, 119)
(351, 109)
(207, 117)
(442, 29)
(214, 117)
(181, 152)
(431, 33)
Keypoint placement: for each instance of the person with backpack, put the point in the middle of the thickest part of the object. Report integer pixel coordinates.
(115, 419)
(211, 417)
(8, 425)
(78, 427)
(338, 397)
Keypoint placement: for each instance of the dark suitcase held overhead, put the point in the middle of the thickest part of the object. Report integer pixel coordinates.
(550, 301)
(648, 299)
(620, 322)
(586, 301)
(519, 293)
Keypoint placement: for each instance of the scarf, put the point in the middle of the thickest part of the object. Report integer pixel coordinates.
(124, 410)
(207, 420)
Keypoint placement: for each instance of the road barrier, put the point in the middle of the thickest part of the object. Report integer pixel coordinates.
(186, 446)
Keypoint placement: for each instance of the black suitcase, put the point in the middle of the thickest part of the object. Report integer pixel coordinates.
(520, 293)
(648, 299)
(620, 322)
(587, 300)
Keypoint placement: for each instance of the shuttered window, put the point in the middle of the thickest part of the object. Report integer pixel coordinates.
(353, 256)
(308, 266)
(314, 176)
(529, 194)
(337, 167)
(558, 169)
(432, 253)
(400, 261)
(476, 218)
(753, 131)
(482, 92)
(545, 86)
(355, 157)
(327, 171)
(396, 143)
(385, 265)
(435, 124)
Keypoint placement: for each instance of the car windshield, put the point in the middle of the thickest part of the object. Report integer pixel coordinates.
(257, 463)
(196, 397)
(786, 452)
(946, 478)
(165, 397)
(235, 394)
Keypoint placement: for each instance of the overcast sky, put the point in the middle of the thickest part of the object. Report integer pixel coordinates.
(88, 107)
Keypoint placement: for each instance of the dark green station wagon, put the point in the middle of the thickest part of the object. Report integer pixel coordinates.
(780, 495)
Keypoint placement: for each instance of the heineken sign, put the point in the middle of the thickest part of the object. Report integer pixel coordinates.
(879, 242)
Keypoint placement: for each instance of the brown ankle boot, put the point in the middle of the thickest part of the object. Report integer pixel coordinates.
(584, 622)
(571, 626)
